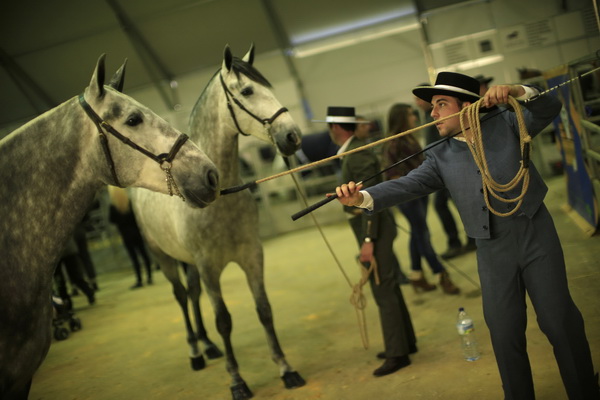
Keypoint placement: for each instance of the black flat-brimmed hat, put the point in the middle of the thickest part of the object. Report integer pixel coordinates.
(453, 84)
(483, 80)
(341, 115)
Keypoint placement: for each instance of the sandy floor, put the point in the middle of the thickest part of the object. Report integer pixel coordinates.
(133, 342)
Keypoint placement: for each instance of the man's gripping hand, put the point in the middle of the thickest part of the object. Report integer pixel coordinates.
(349, 194)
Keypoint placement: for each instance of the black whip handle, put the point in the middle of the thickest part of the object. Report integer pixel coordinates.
(313, 207)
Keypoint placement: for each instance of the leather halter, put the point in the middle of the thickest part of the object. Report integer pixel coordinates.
(266, 122)
(164, 159)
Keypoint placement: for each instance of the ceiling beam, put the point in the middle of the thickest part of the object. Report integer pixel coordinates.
(26, 84)
(153, 64)
(285, 45)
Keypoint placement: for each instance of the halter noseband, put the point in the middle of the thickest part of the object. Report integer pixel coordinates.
(164, 159)
(266, 122)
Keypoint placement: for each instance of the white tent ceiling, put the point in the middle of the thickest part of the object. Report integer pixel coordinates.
(48, 49)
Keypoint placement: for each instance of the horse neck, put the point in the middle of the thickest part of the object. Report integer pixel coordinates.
(212, 128)
(46, 181)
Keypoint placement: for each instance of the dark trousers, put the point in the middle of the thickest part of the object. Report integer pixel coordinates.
(396, 325)
(73, 266)
(440, 203)
(134, 244)
(524, 256)
(84, 253)
(415, 212)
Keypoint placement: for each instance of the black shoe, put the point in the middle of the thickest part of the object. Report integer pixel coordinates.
(137, 285)
(412, 349)
(452, 252)
(392, 365)
(403, 279)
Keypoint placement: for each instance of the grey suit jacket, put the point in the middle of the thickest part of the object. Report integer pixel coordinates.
(450, 164)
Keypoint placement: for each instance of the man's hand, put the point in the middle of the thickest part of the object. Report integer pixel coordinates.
(499, 94)
(349, 194)
(366, 252)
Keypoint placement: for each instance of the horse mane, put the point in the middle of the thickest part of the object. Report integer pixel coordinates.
(240, 67)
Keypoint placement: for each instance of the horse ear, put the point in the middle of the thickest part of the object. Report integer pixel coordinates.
(249, 57)
(118, 78)
(227, 58)
(97, 82)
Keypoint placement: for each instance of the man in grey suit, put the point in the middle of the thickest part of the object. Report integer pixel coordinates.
(375, 235)
(516, 254)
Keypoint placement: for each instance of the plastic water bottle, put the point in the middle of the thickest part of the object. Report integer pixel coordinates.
(466, 330)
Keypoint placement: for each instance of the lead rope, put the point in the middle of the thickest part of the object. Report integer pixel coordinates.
(357, 298)
(469, 117)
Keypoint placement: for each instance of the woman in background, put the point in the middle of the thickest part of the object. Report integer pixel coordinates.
(402, 117)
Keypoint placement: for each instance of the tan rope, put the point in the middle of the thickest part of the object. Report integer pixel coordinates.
(469, 117)
(357, 299)
(356, 150)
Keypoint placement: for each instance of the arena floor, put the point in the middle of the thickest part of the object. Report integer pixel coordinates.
(133, 343)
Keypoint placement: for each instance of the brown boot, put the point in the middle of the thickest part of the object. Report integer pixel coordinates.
(421, 285)
(447, 286)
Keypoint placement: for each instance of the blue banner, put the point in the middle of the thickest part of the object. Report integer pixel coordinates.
(568, 130)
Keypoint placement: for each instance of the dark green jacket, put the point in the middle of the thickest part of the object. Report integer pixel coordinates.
(357, 167)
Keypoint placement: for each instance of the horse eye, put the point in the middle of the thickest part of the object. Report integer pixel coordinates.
(247, 91)
(134, 120)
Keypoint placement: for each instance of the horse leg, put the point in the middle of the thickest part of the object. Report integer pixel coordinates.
(290, 377)
(194, 290)
(169, 268)
(210, 278)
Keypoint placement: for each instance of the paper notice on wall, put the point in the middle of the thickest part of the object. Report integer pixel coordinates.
(513, 38)
(540, 33)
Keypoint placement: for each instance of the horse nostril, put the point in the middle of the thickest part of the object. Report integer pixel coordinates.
(292, 138)
(213, 179)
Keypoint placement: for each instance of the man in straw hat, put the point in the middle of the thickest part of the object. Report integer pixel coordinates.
(517, 254)
(375, 234)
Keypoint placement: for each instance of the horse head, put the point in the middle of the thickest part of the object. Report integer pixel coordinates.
(253, 107)
(140, 147)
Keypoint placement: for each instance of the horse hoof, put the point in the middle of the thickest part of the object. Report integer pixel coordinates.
(198, 363)
(292, 380)
(241, 391)
(213, 352)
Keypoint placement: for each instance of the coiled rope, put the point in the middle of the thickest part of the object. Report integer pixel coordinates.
(469, 118)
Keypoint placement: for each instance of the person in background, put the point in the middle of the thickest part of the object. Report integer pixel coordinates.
(484, 83)
(72, 263)
(82, 246)
(121, 214)
(517, 254)
(402, 117)
(375, 236)
(441, 198)
(363, 128)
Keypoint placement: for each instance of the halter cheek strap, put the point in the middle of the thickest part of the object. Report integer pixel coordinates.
(164, 159)
(266, 122)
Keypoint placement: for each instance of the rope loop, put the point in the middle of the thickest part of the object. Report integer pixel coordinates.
(471, 126)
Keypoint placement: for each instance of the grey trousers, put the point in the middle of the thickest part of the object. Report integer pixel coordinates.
(525, 256)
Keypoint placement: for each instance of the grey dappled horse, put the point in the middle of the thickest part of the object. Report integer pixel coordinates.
(50, 170)
(237, 100)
